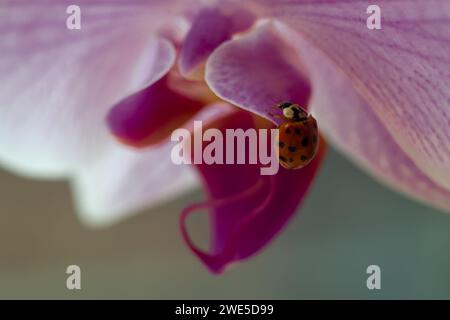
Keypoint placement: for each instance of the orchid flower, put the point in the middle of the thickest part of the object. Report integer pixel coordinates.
(97, 105)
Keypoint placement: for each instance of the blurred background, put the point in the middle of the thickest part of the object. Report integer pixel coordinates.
(348, 222)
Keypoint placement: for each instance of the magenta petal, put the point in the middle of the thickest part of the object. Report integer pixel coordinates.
(246, 212)
(257, 71)
(150, 115)
(211, 27)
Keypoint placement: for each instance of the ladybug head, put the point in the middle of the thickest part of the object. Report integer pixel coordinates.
(293, 111)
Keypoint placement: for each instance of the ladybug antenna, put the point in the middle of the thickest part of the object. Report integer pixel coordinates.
(285, 105)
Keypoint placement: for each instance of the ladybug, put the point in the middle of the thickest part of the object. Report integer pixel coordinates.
(298, 138)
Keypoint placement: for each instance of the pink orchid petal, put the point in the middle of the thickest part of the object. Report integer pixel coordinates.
(352, 125)
(333, 97)
(56, 84)
(150, 115)
(123, 180)
(402, 70)
(257, 71)
(211, 27)
(247, 209)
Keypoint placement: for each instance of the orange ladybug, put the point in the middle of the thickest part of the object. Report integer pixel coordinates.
(298, 138)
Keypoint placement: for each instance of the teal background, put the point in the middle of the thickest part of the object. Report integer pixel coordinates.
(348, 222)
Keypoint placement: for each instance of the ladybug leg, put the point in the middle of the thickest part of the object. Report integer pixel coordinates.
(275, 115)
(276, 107)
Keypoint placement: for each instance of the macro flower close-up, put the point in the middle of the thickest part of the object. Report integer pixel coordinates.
(97, 105)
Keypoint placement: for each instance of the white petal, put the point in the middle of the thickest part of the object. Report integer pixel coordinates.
(125, 180)
(57, 84)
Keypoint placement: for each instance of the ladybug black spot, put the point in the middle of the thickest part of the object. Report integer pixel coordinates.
(281, 144)
(283, 159)
(298, 131)
(292, 149)
(305, 141)
(288, 131)
(304, 158)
